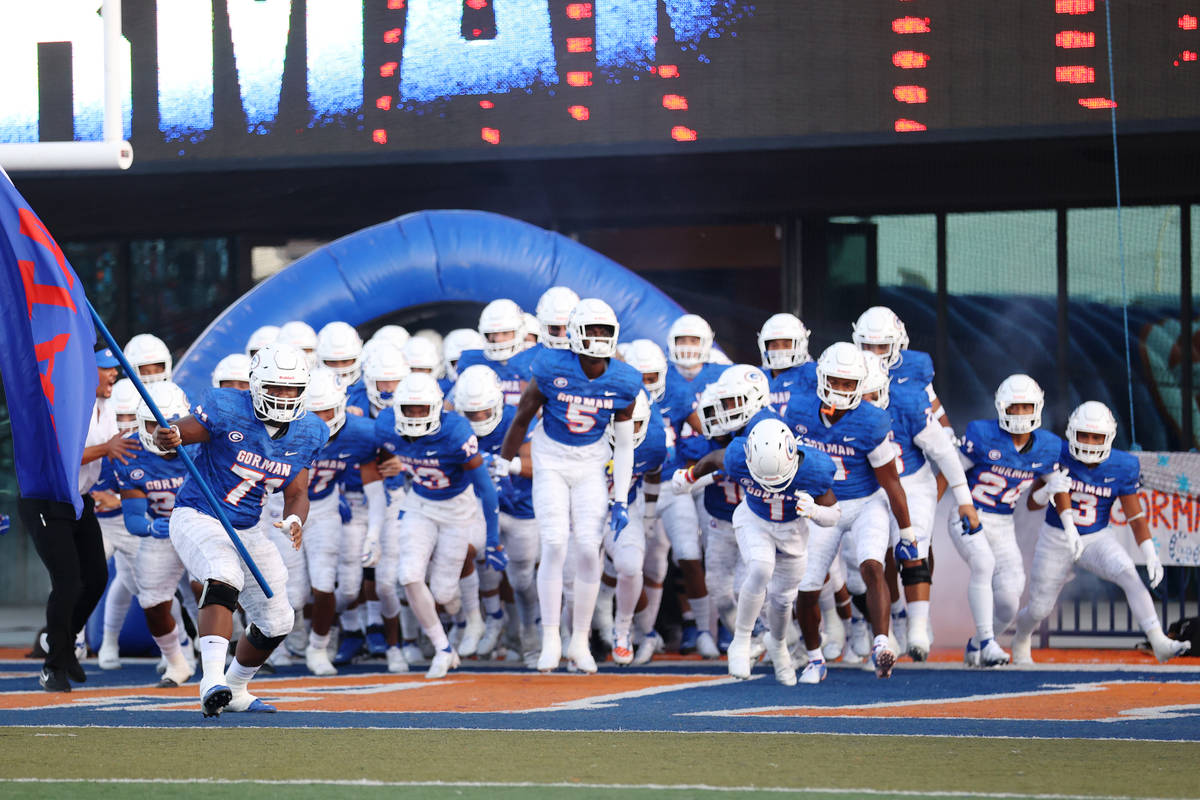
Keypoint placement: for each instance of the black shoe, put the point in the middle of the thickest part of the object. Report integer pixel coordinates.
(54, 680)
(75, 670)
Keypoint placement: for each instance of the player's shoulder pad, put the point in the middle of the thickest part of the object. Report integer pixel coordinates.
(817, 467)
(735, 456)
(627, 379)
(1047, 444)
(456, 427)
(313, 430)
(921, 366)
(1126, 466)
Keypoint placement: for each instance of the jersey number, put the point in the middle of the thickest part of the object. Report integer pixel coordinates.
(841, 473)
(251, 478)
(321, 479)
(580, 418)
(733, 492)
(989, 487)
(1085, 508)
(161, 502)
(899, 457)
(431, 477)
(775, 503)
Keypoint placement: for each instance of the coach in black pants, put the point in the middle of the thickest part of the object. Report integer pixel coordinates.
(71, 549)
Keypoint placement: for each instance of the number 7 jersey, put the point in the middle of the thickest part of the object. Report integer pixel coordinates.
(997, 472)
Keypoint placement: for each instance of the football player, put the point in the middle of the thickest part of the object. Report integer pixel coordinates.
(502, 325)
(150, 357)
(1003, 457)
(339, 348)
(1081, 534)
(423, 356)
(301, 336)
(878, 330)
(267, 334)
(858, 439)
(579, 391)
(783, 345)
(232, 372)
(553, 313)
(530, 331)
(456, 342)
(251, 443)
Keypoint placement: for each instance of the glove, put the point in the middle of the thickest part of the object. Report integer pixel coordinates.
(495, 556)
(502, 468)
(1054, 483)
(160, 528)
(682, 481)
(805, 504)
(371, 550)
(962, 527)
(344, 509)
(906, 548)
(1154, 567)
(1076, 543)
(5, 523)
(619, 518)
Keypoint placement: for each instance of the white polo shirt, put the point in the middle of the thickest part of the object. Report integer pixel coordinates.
(102, 428)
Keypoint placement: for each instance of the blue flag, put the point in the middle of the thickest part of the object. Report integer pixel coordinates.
(47, 341)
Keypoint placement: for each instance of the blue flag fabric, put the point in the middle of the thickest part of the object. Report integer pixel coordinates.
(47, 343)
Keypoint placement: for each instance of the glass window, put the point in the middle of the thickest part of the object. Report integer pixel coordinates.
(179, 286)
(1096, 368)
(1002, 285)
(96, 264)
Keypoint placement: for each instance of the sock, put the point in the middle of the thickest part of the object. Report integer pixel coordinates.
(550, 593)
(169, 645)
(239, 675)
(116, 606)
(880, 641)
(645, 619)
(353, 620)
(604, 598)
(491, 604)
(213, 650)
(702, 611)
(918, 613)
(777, 620)
(410, 629)
(177, 615)
(628, 590)
(749, 604)
(815, 655)
(374, 613)
(318, 642)
(897, 607)
(425, 611)
(468, 587)
(585, 605)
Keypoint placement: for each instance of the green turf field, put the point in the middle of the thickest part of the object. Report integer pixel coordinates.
(584, 764)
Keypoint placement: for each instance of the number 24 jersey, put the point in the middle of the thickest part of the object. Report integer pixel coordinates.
(999, 473)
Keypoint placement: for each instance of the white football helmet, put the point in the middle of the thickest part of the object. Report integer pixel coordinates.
(301, 336)
(125, 401)
(418, 389)
(145, 349)
(647, 358)
(478, 389)
(841, 360)
(531, 328)
(877, 381)
(423, 356)
(1091, 417)
(233, 367)
(689, 355)
(498, 317)
(785, 328)
(771, 455)
(728, 403)
(879, 325)
(262, 337)
(338, 341)
(326, 392)
(432, 336)
(590, 312)
(395, 335)
(171, 402)
(383, 369)
(641, 418)
(457, 342)
(278, 364)
(1019, 389)
(554, 309)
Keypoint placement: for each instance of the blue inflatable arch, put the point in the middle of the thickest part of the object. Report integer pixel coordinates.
(422, 258)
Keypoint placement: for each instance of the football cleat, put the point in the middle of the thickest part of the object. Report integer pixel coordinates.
(349, 647)
(919, 641)
(884, 660)
(317, 661)
(739, 656)
(243, 701)
(724, 637)
(687, 644)
(622, 651)
(651, 643)
(54, 680)
(1022, 650)
(297, 641)
(706, 646)
(214, 699)
(579, 654)
(177, 676)
(412, 652)
(991, 654)
(815, 672)
(161, 666)
(551, 649)
(443, 662)
(860, 638)
(376, 641)
(279, 658)
(971, 654)
(493, 627)
(395, 660)
(1166, 649)
(781, 660)
(109, 656)
(468, 644)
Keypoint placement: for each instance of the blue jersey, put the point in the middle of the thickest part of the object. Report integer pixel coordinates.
(690, 445)
(513, 374)
(578, 408)
(651, 454)
(915, 367)
(516, 493)
(107, 483)
(356, 397)
(910, 412)
(437, 462)
(848, 441)
(815, 475)
(999, 473)
(241, 462)
(1094, 488)
(721, 497)
(354, 444)
(160, 479)
(801, 378)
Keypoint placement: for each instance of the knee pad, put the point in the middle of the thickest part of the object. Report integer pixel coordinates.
(911, 576)
(389, 600)
(368, 573)
(444, 591)
(628, 563)
(219, 594)
(260, 641)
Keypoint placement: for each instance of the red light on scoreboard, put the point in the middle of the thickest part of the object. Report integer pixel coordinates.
(580, 113)
(911, 25)
(393, 36)
(478, 5)
(1097, 102)
(579, 79)
(384, 103)
(908, 126)
(486, 104)
(1188, 55)
(389, 69)
(579, 10)
(490, 135)
(674, 102)
(910, 94)
(1188, 22)
(579, 44)
(682, 133)
(668, 71)
(910, 59)
(1070, 40)
(1076, 74)
(395, 5)
(379, 136)
(1074, 6)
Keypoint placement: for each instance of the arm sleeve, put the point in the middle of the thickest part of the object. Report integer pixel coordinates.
(134, 510)
(935, 441)
(485, 490)
(376, 507)
(622, 459)
(882, 454)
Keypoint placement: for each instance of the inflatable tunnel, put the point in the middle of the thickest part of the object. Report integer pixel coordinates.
(423, 258)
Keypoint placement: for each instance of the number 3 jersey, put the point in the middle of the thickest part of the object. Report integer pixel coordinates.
(437, 462)
(160, 479)
(1094, 488)
(849, 442)
(578, 408)
(814, 475)
(240, 460)
(997, 472)
(352, 445)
